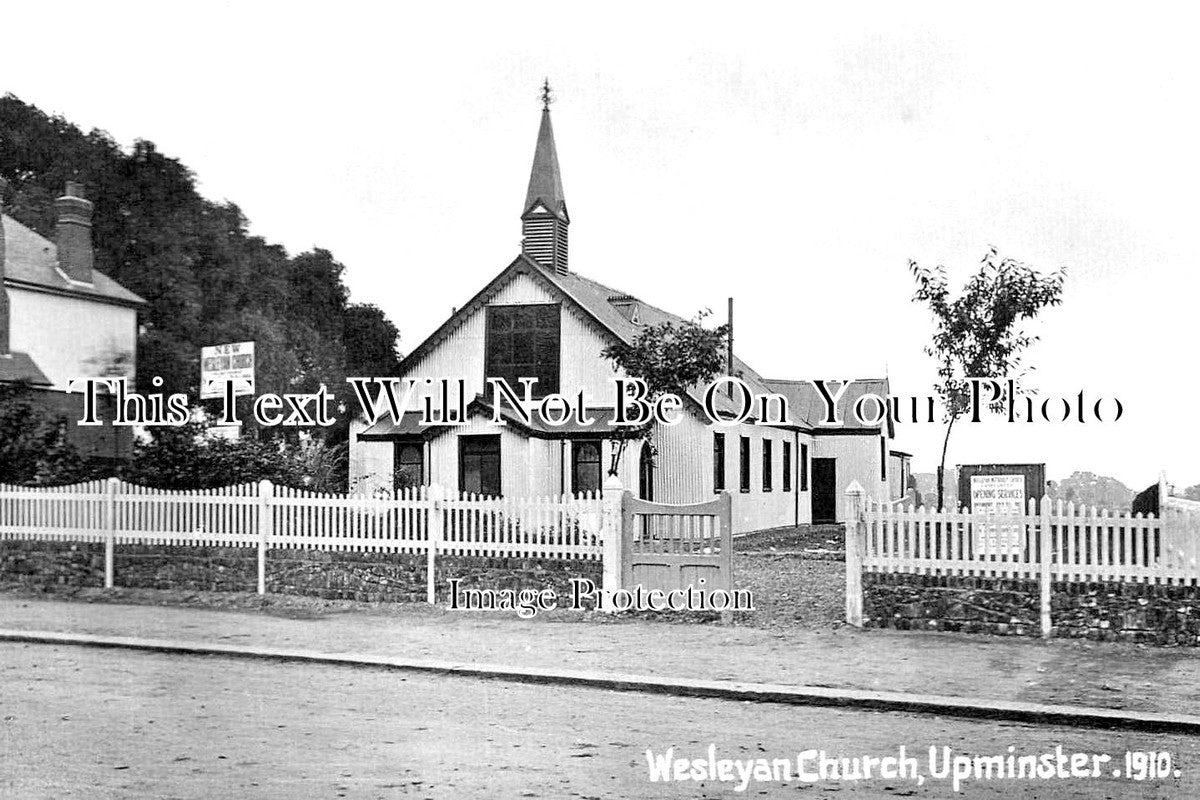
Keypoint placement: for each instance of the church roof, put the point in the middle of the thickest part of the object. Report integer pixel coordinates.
(545, 179)
(31, 259)
(619, 315)
(594, 300)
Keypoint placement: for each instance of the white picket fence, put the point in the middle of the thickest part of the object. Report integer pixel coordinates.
(1050, 542)
(421, 520)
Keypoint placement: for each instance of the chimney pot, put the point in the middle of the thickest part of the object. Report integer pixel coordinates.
(74, 234)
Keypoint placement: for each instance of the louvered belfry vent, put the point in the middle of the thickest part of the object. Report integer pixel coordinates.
(544, 220)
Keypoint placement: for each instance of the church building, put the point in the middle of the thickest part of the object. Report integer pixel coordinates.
(539, 318)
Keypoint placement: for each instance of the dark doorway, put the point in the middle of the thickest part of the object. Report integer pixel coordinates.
(824, 490)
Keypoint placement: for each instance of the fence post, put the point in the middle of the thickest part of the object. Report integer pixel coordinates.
(612, 535)
(436, 534)
(1044, 553)
(855, 501)
(110, 529)
(266, 523)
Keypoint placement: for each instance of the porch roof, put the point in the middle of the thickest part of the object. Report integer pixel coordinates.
(410, 424)
(20, 368)
(808, 408)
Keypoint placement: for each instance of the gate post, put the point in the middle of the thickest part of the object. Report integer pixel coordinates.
(266, 523)
(855, 501)
(1044, 555)
(436, 534)
(110, 529)
(612, 535)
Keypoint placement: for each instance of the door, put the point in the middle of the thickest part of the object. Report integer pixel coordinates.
(824, 490)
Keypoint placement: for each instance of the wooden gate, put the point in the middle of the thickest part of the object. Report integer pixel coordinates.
(670, 547)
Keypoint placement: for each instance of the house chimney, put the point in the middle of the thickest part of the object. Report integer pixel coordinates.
(3, 291)
(74, 233)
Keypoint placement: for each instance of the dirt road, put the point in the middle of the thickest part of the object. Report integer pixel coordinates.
(89, 723)
(1068, 672)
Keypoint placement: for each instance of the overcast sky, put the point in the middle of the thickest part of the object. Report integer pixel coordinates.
(794, 158)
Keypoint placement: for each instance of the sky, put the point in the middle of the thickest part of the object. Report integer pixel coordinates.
(793, 157)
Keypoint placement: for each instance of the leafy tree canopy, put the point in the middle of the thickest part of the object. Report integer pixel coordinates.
(671, 358)
(207, 280)
(979, 334)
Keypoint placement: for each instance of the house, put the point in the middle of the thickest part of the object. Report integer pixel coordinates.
(1160, 497)
(62, 319)
(539, 318)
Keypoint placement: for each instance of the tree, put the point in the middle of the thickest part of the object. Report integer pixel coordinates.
(1089, 489)
(205, 278)
(370, 339)
(979, 334)
(671, 357)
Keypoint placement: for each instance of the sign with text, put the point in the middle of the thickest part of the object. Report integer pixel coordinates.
(998, 494)
(225, 363)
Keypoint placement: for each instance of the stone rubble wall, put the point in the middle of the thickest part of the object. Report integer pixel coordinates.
(369, 577)
(1104, 611)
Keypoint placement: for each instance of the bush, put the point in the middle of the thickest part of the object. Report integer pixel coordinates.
(193, 457)
(33, 444)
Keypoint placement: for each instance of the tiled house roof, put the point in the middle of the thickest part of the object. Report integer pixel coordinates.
(32, 260)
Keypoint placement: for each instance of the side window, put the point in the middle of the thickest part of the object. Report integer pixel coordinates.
(804, 468)
(718, 462)
(744, 463)
(787, 466)
(767, 454)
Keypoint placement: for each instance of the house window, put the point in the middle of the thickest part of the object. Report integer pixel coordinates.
(479, 465)
(718, 462)
(585, 473)
(883, 458)
(408, 465)
(787, 466)
(744, 463)
(766, 470)
(523, 342)
(804, 468)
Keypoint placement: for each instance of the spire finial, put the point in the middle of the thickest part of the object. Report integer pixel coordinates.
(547, 97)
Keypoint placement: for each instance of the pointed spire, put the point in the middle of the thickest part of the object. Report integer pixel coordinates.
(544, 219)
(545, 179)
